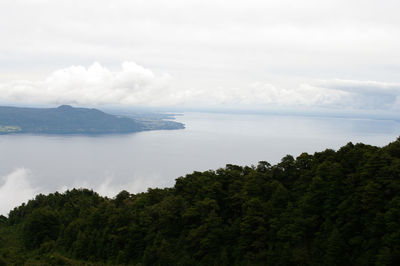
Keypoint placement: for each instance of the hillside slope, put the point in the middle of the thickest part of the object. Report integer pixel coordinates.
(331, 208)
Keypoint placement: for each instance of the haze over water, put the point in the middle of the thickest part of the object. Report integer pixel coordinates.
(32, 164)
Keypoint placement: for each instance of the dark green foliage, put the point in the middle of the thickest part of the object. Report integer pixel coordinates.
(330, 208)
(42, 225)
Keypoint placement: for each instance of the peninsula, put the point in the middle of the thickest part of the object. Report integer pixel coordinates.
(66, 119)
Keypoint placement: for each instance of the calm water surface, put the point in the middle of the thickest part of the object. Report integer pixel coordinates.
(154, 159)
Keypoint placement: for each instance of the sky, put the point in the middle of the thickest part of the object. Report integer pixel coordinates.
(299, 55)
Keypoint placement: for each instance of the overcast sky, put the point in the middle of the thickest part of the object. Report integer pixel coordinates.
(340, 54)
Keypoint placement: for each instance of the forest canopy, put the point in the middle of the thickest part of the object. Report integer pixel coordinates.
(330, 208)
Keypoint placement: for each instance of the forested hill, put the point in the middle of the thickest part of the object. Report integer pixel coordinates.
(66, 119)
(331, 208)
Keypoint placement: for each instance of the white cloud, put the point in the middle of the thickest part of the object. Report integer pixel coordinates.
(109, 186)
(302, 95)
(134, 85)
(15, 190)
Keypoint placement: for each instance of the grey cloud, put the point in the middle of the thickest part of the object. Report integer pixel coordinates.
(357, 86)
(257, 39)
(366, 94)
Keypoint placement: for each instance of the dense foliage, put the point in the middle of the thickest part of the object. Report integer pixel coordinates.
(66, 119)
(331, 208)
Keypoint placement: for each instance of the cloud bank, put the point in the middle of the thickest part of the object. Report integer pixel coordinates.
(15, 190)
(135, 85)
(132, 85)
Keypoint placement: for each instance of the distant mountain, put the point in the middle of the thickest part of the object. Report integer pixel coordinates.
(66, 119)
